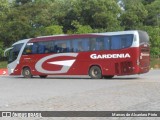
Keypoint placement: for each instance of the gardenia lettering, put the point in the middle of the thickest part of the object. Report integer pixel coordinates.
(104, 56)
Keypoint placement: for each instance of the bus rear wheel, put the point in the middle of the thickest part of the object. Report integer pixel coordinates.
(26, 72)
(95, 72)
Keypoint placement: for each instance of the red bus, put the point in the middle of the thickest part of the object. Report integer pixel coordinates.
(99, 55)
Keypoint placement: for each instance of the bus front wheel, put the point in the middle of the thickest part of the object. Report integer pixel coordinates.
(95, 72)
(26, 72)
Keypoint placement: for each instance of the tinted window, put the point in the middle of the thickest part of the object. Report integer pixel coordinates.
(107, 43)
(39, 48)
(62, 46)
(79, 45)
(100, 44)
(115, 42)
(121, 41)
(14, 52)
(28, 48)
(92, 44)
(59, 46)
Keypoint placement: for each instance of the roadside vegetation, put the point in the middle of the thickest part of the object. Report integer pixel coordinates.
(21, 19)
(155, 63)
(3, 64)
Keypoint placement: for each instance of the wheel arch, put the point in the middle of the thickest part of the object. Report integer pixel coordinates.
(95, 65)
(26, 67)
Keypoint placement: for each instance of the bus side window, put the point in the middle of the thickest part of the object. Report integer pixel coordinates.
(64, 48)
(80, 48)
(41, 49)
(59, 47)
(27, 50)
(92, 44)
(126, 41)
(107, 43)
(55, 48)
(129, 40)
(75, 45)
(68, 46)
(85, 44)
(50, 46)
(116, 43)
(34, 48)
(99, 44)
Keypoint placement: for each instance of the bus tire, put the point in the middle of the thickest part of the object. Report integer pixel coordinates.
(108, 77)
(27, 72)
(95, 72)
(43, 76)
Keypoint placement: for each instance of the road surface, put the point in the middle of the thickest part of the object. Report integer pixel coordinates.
(127, 93)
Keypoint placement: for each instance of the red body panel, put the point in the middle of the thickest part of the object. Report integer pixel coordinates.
(83, 61)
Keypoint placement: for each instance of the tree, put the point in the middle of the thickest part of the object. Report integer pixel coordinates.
(154, 38)
(23, 1)
(152, 22)
(53, 30)
(98, 14)
(153, 13)
(4, 11)
(133, 15)
(81, 28)
(34, 18)
(146, 2)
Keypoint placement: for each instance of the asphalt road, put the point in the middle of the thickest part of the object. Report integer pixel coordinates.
(127, 93)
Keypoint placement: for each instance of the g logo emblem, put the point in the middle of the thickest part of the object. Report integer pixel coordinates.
(66, 64)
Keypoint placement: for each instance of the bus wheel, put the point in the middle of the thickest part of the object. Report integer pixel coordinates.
(95, 72)
(108, 77)
(26, 72)
(43, 76)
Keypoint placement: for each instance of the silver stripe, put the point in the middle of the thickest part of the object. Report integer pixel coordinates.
(64, 69)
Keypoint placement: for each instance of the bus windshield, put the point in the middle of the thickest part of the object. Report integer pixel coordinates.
(13, 53)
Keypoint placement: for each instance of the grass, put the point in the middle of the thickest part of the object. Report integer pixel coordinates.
(155, 63)
(3, 64)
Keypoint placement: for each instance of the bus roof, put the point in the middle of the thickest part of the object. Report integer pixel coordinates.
(75, 36)
(63, 37)
(118, 32)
